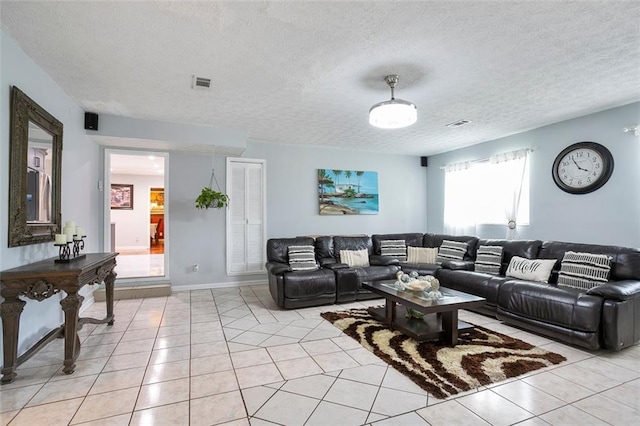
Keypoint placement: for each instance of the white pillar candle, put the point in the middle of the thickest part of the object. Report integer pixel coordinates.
(61, 238)
(69, 236)
(70, 224)
(80, 231)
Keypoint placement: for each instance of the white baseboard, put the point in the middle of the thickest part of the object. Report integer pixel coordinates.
(137, 292)
(217, 285)
(160, 290)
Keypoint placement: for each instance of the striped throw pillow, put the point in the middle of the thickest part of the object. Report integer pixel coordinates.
(584, 270)
(451, 250)
(489, 259)
(394, 248)
(302, 258)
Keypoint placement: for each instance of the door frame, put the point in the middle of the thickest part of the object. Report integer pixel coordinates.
(106, 228)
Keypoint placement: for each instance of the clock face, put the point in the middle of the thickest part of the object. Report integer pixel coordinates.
(583, 167)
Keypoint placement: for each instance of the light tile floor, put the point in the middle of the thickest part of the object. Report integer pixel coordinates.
(230, 356)
(140, 265)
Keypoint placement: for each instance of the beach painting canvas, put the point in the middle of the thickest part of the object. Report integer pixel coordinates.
(347, 192)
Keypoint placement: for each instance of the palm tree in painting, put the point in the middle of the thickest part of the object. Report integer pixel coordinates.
(337, 174)
(323, 179)
(347, 174)
(359, 176)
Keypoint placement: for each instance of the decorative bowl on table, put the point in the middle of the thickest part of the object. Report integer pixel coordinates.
(417, 285)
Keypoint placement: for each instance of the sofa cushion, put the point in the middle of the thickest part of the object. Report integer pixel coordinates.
(354, 257)
(489, 259)
(451, 250)
(625, 263)
(394, 248)
(470, 282)
(565, 307)
(425, 255)
(352, 243)
(530, 269)
(436, 240)
(523, 248)
(410, 239)
(302, 258)
(278, 248)
(306, 284)
(584, 270)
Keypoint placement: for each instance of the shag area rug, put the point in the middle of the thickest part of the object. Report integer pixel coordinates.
(481, 356)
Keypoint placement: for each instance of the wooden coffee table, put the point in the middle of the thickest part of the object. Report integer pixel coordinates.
(441, 315)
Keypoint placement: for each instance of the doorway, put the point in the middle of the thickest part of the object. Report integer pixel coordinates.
(136, 212)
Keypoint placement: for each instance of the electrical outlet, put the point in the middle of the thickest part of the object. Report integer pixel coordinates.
(195, 268)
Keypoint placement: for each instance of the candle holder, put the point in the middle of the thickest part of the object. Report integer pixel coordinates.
(68, 253)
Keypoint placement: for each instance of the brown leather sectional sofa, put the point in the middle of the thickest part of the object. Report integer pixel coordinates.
(606, 316)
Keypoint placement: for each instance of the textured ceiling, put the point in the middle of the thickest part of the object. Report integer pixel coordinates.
(308, 72)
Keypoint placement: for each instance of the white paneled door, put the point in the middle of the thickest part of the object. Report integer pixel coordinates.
(246, 233)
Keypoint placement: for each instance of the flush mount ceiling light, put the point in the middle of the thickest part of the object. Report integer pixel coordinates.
(394, 113)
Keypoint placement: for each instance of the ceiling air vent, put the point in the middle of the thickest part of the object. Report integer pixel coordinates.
(200, 83)
(458, 123)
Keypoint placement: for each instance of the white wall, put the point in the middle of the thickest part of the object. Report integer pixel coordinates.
(132, 226)
(610, 215)
(198, 236)
(292, 195)
(81, 200)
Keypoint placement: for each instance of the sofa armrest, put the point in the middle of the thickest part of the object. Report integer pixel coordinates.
(277, 268)
(617, 290)
(459, 265)
(333, 266)
(377, 260)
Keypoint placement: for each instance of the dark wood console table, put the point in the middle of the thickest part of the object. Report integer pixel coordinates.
(41, 280)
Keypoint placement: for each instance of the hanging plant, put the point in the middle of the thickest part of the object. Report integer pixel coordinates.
(210, 198)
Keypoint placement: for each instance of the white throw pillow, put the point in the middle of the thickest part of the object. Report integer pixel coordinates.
(530, 269)
(422, 254)
(355, 257)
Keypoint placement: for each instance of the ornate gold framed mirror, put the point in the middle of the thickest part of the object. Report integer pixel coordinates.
(35, 171)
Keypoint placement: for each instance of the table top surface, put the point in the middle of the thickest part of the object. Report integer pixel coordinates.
(450, 297)
(50, 267)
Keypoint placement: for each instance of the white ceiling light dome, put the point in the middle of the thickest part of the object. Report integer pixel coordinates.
(394, 113)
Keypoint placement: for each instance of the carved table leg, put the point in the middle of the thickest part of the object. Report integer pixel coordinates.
(109, 281)
(71, 307)
(10, 311)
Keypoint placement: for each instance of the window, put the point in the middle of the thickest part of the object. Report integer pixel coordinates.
(487, 193)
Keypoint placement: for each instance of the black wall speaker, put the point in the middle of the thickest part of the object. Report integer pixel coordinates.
(423, 161)
(90, 121)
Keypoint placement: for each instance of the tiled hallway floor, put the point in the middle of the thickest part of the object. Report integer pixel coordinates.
(229, 356)
(140, 265)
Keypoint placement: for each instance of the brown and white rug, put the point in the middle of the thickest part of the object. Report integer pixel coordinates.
(481, 357)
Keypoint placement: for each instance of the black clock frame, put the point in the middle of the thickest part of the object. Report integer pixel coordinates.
(607, 165)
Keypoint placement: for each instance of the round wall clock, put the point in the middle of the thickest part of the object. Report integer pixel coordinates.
(582, 167)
